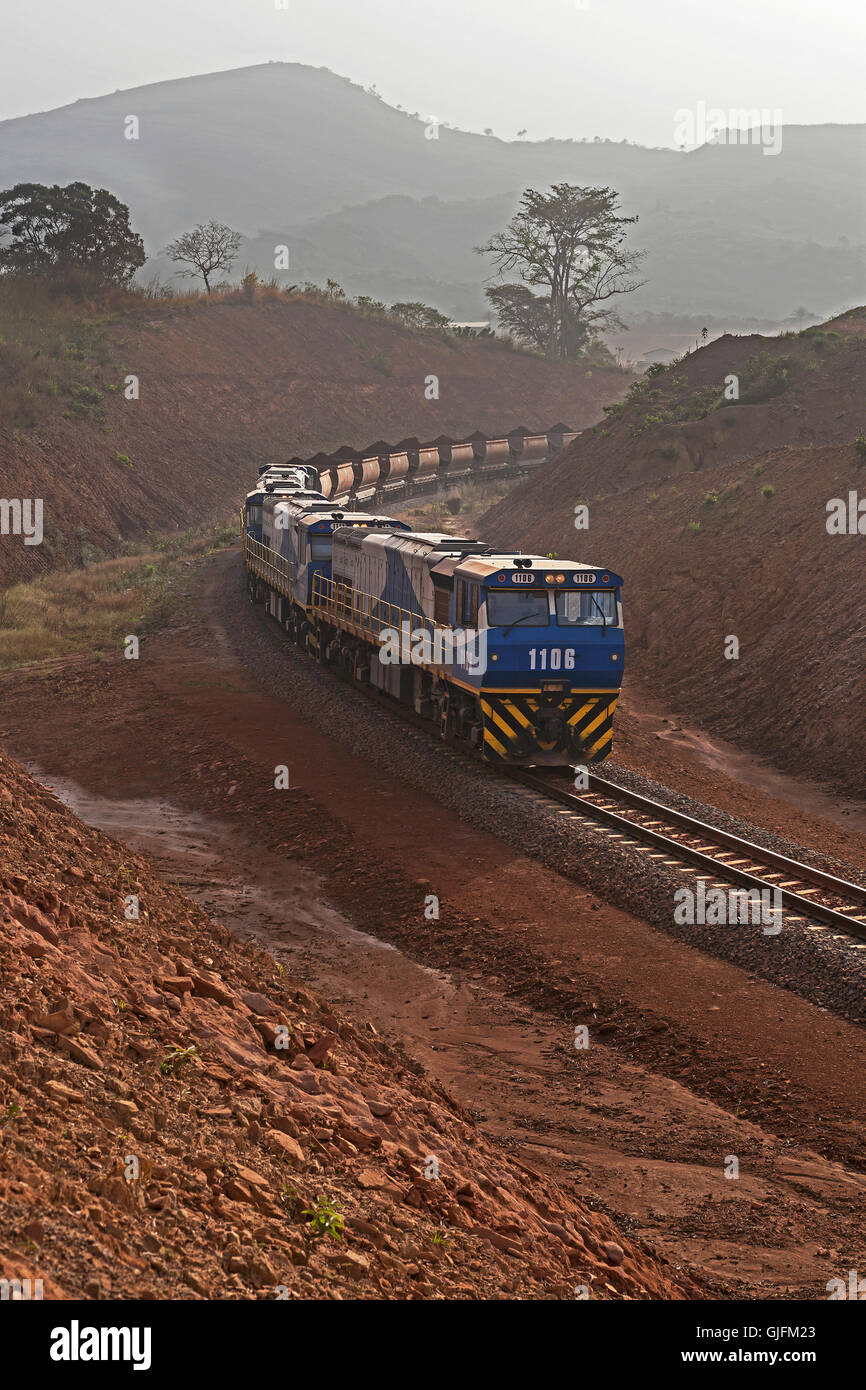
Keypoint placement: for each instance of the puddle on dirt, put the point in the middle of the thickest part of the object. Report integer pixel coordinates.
(450, 1025)
(495, 1056)
(453, 1027)
(203, 855)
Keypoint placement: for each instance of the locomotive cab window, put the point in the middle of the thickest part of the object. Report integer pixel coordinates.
(508, 607)
(586, 608)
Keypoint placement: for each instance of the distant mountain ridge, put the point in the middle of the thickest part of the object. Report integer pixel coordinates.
(290, 154)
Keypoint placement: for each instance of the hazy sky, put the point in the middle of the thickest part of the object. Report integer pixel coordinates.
(617, 68)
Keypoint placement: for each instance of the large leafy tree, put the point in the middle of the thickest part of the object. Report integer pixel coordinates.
(569, 244)
(50, 230)
(208, 248)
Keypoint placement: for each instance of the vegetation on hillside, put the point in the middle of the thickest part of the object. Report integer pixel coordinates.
(61, 231)
(664, 396)
(68, 254)
(94, 608)
(53, 352)
(209, 248)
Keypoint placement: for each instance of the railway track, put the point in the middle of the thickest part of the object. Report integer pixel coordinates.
(807, 894)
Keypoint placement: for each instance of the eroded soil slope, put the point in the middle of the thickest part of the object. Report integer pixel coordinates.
(224, 387)
(132, 1166)
(719, 525)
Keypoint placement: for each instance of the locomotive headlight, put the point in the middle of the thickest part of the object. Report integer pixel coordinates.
(549, 578)
(614, 656)
(560, 579)
(494, 656)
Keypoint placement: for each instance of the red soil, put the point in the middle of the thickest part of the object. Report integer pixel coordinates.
(761, 568)
(227, 386)
(231, 1147)
(694, 1059)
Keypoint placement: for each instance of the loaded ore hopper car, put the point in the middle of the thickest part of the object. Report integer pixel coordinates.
(520, 657)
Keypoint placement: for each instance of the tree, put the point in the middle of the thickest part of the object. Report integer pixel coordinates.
(416, 315)
(570, 242)
(209, 247)
(523, 314)
(53, 229)
(526, 316)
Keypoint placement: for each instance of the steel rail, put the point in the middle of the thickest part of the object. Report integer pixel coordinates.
(677, 850)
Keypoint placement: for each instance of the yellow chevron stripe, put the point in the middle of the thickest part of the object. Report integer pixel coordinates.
(599, 719)
(517, 714)
(509, 733)
(582, 711)
(494, 743)
(491, 713)
(605, 738)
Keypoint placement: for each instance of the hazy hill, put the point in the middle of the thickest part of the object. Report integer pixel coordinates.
(718, 525)
(288, 153)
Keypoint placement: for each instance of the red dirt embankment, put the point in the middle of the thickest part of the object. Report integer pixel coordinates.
(132, 1168)
(226, 386)
(719, 526)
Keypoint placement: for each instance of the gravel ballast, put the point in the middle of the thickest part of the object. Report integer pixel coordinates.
(815, 962)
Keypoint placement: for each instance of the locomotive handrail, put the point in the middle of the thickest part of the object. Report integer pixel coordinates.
(368, 616)
(269, 565)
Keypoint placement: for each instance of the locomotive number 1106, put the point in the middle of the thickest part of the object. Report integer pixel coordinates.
(551, 658)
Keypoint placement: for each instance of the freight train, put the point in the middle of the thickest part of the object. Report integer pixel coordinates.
(518, 656)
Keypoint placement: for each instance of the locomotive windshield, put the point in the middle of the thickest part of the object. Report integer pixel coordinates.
(510, 606)
(586, 608)
(321, 547)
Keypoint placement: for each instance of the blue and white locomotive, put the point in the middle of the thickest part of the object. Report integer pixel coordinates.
(517, 655)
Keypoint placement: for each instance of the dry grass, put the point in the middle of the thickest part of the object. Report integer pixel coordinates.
(92, 610)
(55, 351)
